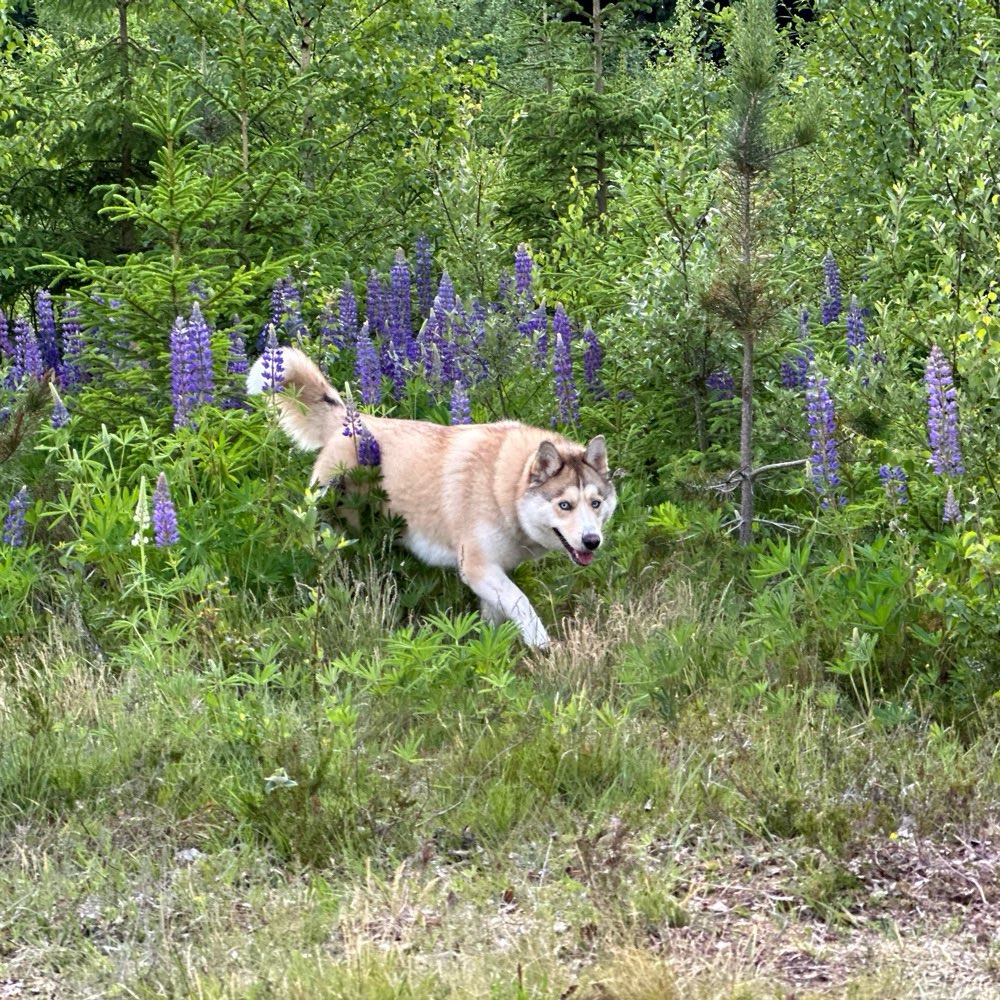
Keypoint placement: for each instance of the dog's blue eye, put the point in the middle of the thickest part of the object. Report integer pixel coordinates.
(595, 504)
(565, 505)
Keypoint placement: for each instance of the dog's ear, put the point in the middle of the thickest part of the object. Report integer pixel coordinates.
(546, 463)
(596, 455)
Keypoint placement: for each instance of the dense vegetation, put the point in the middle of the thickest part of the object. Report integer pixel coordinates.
(244, 752)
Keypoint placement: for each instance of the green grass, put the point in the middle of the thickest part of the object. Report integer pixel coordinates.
(631, 816)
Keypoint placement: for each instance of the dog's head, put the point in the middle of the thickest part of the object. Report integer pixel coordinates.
(569, 498)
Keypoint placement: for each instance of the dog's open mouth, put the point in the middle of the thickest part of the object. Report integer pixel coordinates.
(582, 557)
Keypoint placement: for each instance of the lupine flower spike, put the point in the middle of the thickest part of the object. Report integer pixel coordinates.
(236, 365)
(13, 525)
(401, 308)
(200, 340)
(60, 415)
(6, 347)
(72, 372)
(375, 304)
(822, 433)
(292, 310)
(423, 275)
(366, 368)
(720, 383)
(182, 382)
(277, 312)
(942, 415)
(48, 339)
(832, 302)
(952, 513)
(562, 365)
(347, 314)
(164, 516)
(369, 453)
(592, 364)
(27, 353)
(522, 272)
(894, 482)
(272, 364)
(446, 294)
(191, 378)
(460, 412)
(856, 336)
(796, 364)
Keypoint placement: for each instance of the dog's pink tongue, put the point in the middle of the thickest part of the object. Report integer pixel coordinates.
(583, 557)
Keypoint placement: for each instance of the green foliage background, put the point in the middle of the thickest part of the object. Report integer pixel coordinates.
(157, 151)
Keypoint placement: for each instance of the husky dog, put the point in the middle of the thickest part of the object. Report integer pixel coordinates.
(481, 498)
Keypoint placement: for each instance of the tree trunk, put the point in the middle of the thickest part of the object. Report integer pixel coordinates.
(748, 335)
(600, 163)
(126, 232)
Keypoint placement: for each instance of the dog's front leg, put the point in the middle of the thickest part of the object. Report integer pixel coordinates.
(502, 598)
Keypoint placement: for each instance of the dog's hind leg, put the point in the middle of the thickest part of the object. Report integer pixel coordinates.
(502, 599)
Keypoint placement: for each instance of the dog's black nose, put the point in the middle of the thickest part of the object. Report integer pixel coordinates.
(590, 542)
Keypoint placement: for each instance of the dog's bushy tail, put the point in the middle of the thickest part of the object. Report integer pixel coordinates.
(311, 410)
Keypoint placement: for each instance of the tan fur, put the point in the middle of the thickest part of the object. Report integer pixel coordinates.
(482, 498)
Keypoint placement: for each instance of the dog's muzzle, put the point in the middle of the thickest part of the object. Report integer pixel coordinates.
(584, 556)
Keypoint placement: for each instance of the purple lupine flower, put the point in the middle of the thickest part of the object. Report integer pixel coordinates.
(347, 315)
(276, 314)
(27, 353)
(952, 513)
(446, 294)
(60, 415)
(366, 367)
(329, 327)
(562, 365)
(13, 525)
(592, 357)
(537, 325)
(6, 347)
(428, 341)
(720, 383)
(401, 309)
(272, 364)
(368, 450)
(451, 363)
(459, 410)
(475, 329)
(164, 515)
(200, 342)
(191, 379)
(522, 271)
(822, 433)
(394, 368)
(445, 309)
(503, 291)
(797, 361)
(237, 365)
(48, 338)
(832, 302)
(291, 313)
(894, 483)
(856, 336)
(72, 372)
(441, 355)
(423, 274)
(398, 345)
(183, 377)
(376, 309)
(942, 415)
